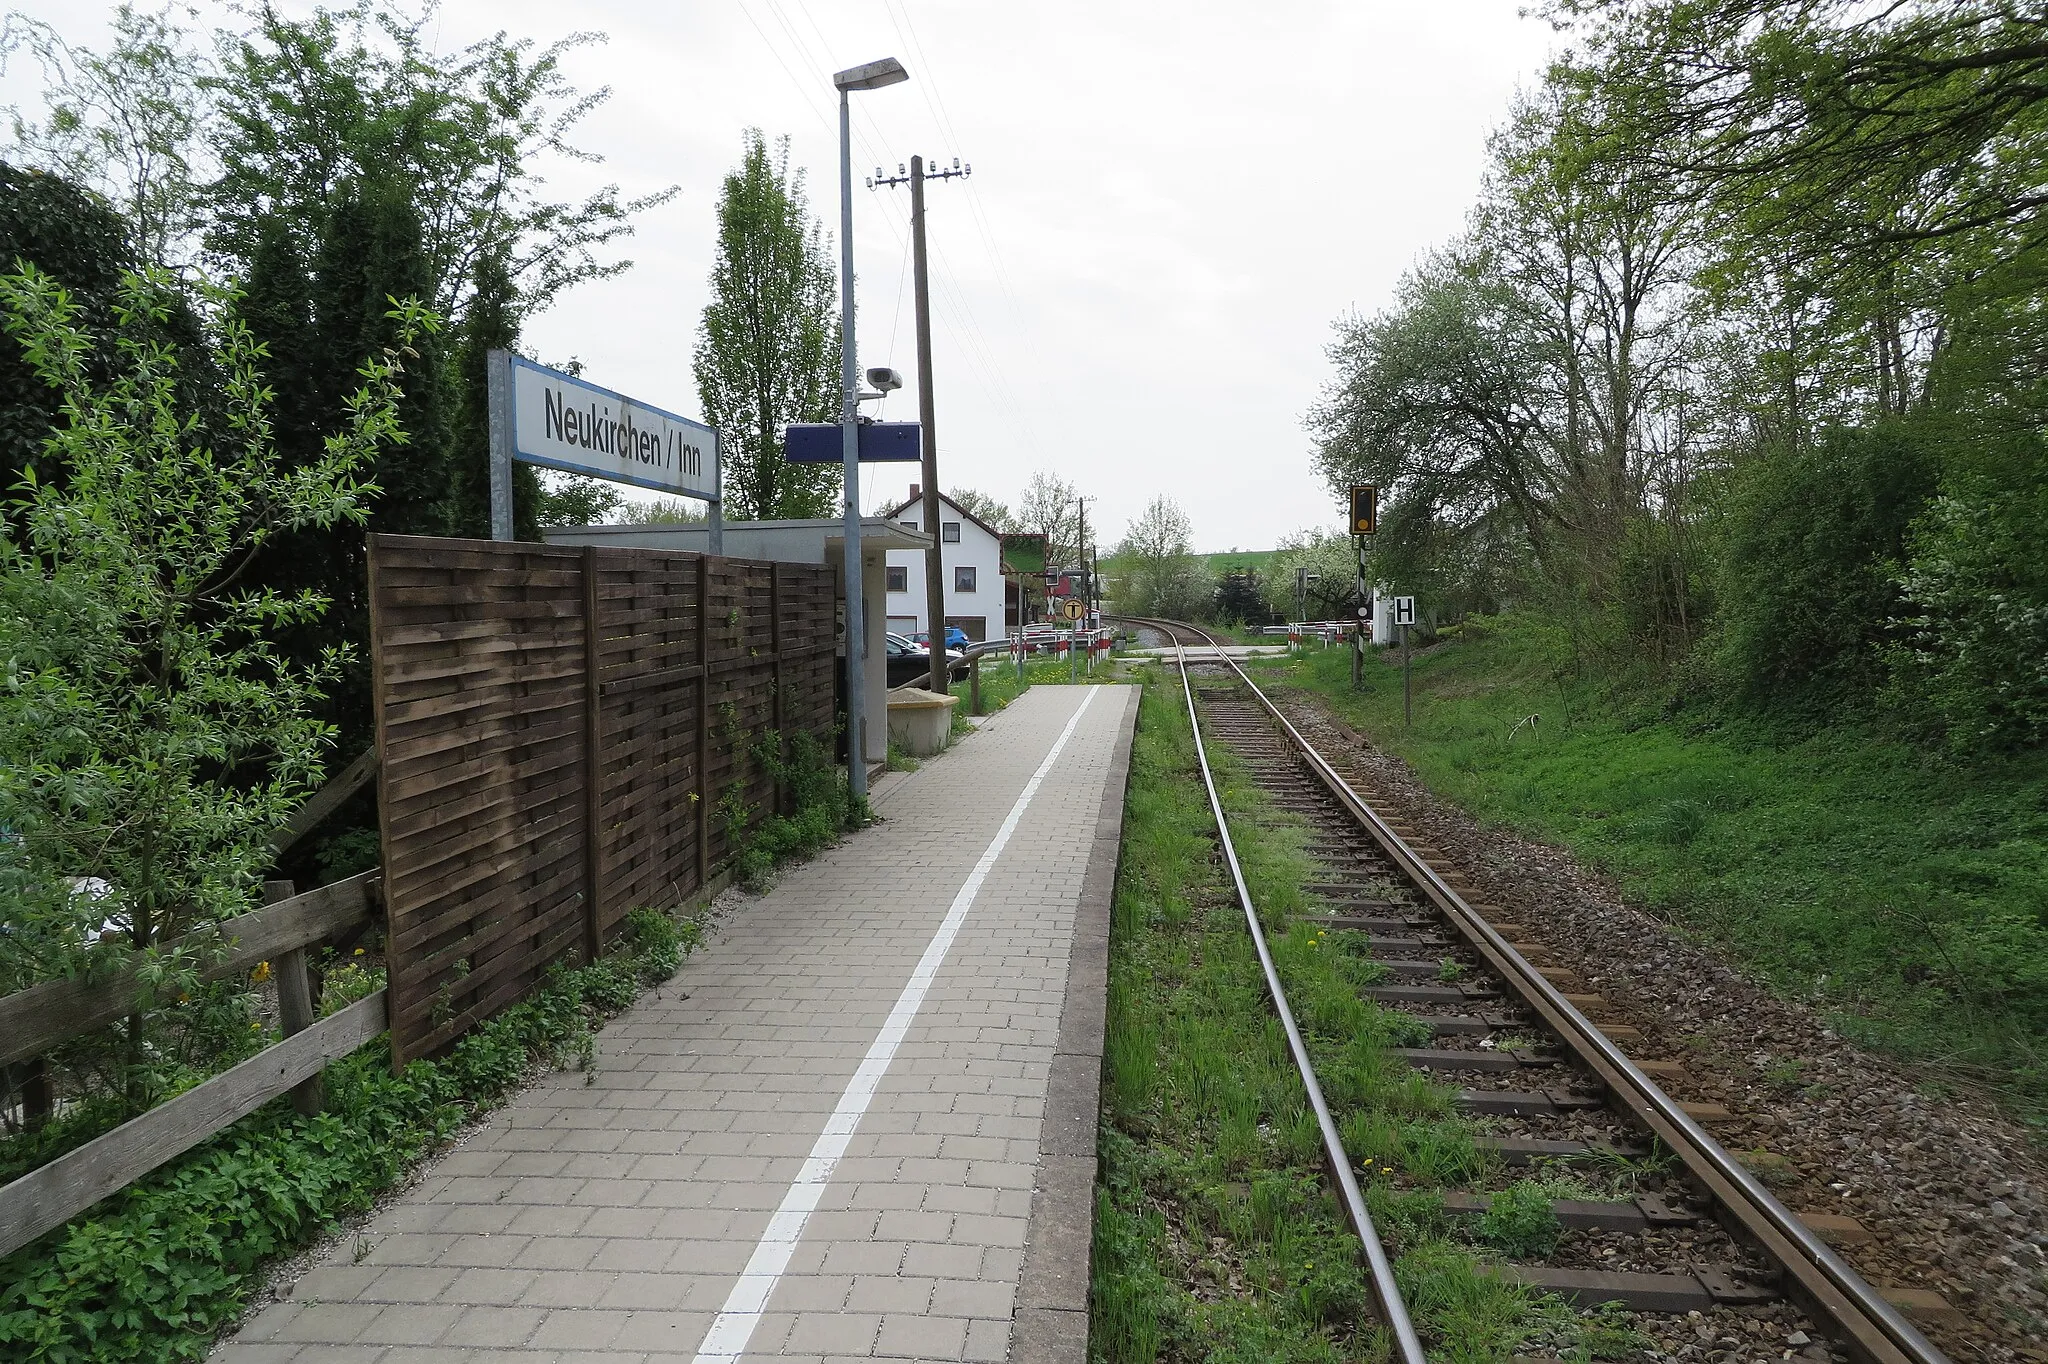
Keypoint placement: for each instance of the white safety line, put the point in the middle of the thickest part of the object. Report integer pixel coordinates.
(734, 1327)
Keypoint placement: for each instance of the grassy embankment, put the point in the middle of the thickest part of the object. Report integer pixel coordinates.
(1215, 1237)
(1906, 890)
(1236, 561)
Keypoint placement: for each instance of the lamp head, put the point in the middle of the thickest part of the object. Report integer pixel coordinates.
(871, 75)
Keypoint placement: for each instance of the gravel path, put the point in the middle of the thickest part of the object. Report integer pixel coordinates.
(1954, 1193)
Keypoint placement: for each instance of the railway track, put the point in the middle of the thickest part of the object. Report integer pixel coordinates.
(1687, 1230)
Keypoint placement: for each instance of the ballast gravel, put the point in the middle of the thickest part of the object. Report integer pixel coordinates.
(1954, 1194)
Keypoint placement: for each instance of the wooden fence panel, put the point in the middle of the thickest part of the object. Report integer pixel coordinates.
(568, 734)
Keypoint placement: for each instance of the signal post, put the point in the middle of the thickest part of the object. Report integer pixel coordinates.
(1365, 523)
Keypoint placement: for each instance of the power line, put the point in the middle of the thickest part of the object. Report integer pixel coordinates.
(959, 319)
(935, 100)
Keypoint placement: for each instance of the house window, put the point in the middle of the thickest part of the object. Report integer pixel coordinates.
(899, 579)
(949, 531)
(908, 525)
(963, 578)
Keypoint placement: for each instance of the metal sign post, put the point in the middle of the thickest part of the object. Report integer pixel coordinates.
(1404, 616)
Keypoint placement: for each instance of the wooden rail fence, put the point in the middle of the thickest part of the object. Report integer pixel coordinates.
(34, 1020)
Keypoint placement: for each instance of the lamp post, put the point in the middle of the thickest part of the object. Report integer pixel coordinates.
(869, 76)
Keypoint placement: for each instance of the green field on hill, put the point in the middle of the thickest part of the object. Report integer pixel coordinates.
(1232, 560)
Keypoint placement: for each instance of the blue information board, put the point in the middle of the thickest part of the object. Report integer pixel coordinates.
(880, 443)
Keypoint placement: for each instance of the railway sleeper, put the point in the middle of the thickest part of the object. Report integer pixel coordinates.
(1377, 943)
(1701, 1290)
(1635, 1217)
(1511, 1103)
(1413, 968)
(1468, 1025)
(1364, 913)
(1361, 923)
(1517, 1151)
(1403, 995)
(1446, 1058)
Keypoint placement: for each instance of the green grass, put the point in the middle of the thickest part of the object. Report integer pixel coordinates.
(1000, 684)
(1905, 891)
(1215, 1237)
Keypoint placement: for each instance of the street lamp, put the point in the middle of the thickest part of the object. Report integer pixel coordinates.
(869, 76)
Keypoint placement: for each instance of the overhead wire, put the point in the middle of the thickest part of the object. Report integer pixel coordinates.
(935, 100)
(956, 316)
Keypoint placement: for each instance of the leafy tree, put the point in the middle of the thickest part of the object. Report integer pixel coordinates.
(309, 107)
(768, 344)
(154, 735)
(76, 239)
(996, 514)
(129, 122)
(310, 323)
(1812, 547)
(1333, 590)
(1157, 573)
(1886, 126)
(1438, 401)
(1050, 507)
(571, 501)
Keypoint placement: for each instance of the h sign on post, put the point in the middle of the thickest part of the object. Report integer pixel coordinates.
(1404, 610)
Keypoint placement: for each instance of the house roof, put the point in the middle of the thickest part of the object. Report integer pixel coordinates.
(994, 534)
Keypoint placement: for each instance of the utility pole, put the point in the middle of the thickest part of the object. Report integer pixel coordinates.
(1086, 585)
(934, 562)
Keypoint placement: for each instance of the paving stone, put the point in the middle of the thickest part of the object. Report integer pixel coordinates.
(848, 1333)
(921, 1337)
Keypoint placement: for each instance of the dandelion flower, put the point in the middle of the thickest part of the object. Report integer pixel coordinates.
(261, 973)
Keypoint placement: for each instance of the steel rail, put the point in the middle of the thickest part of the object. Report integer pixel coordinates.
(1386, 1292)
(1877, 1331)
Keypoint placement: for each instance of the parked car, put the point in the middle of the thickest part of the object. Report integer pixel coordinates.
(910, 662)
(956, 638)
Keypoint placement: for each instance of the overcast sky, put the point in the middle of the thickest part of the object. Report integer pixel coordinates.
(1170, 205)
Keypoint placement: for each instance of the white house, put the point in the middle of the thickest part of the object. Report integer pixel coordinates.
(971, 553)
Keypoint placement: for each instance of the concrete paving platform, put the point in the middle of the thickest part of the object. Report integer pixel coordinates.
(859, 1124)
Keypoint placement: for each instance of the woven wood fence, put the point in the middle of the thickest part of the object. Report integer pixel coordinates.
(567, 734)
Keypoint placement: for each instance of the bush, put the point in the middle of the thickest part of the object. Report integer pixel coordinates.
(153, 1272)
(817, 796)
(1976, 659)
(1813, 542)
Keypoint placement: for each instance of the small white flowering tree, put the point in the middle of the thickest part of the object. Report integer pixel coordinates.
(151, 739)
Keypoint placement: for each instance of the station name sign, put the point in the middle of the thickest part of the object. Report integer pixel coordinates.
(561, 422)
